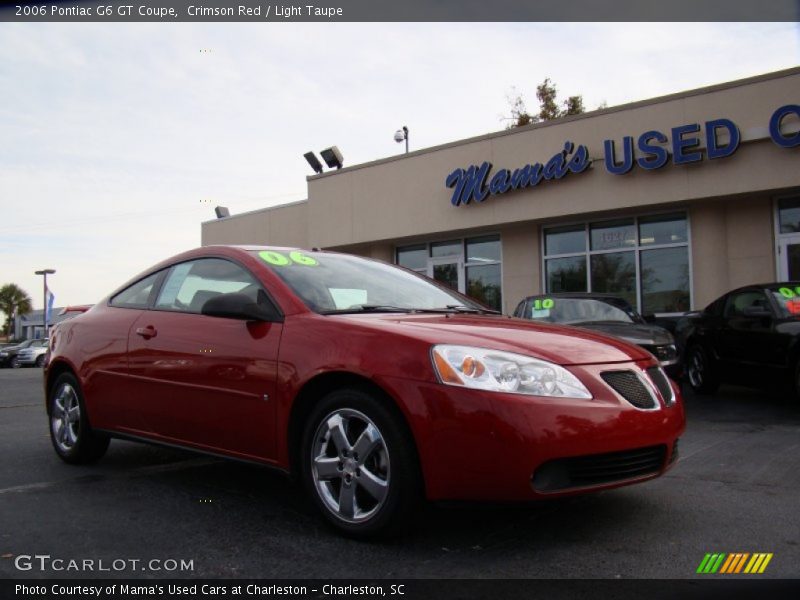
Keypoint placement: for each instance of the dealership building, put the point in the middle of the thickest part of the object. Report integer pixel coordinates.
(668, 202)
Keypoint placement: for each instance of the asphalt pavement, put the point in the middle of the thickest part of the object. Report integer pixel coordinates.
(734, 489)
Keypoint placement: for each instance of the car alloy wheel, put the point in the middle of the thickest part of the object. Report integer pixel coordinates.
(360, 465)
(73, 439)
(15, 363)
(65, 418)
(700, 371)
(350, 465)
(40, 361)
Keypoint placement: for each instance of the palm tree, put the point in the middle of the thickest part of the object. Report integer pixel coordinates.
(14, 301)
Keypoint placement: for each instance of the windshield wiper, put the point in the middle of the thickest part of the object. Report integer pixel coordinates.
(359, 308)
(460, 308)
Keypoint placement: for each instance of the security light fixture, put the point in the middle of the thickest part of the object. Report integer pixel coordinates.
(222, 212)
(313, 161)
(332, 157)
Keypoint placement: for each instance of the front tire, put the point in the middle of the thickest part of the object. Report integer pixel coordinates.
(72, 437)
(359, 465)
(40, 361)
(700, 370)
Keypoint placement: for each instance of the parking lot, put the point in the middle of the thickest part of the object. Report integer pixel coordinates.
(735, 489)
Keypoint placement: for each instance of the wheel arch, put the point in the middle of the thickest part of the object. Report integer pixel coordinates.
(55, 369)
(317, 388)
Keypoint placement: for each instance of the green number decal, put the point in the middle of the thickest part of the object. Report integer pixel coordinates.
(548, 303)
(274, 258)
(786, 292)
(302, 259)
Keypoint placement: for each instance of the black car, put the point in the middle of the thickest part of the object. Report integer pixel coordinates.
(750, 336)
(607, 314)
(8, 354)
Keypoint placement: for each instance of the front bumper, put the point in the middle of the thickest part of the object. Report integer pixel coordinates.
(477, 445)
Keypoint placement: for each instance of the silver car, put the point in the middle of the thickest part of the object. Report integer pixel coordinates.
(33, 355)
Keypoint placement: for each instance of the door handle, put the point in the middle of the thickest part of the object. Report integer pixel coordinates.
(146, 332)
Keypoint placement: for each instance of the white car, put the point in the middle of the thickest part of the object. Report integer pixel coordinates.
(33, 355)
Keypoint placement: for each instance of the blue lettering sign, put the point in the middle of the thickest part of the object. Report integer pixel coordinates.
(470, 184)
(681, 146)
(654, 157)
(612, 166)
(713, 149)
(775, 122)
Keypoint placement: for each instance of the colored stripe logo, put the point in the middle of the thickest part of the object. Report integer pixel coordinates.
(734, 563)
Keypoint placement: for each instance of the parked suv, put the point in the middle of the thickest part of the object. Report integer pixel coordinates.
(33, 355)
(8, 354)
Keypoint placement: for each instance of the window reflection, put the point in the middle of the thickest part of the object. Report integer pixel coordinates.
(665, 280)
(566, 274)
(615, 273)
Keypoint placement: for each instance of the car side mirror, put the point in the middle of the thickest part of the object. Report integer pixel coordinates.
(239, 306)
(756, 312)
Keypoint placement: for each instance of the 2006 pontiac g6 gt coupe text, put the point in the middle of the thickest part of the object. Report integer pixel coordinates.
(376, 386)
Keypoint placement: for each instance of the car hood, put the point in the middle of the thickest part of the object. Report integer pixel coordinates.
(555, 343)
(635, 333)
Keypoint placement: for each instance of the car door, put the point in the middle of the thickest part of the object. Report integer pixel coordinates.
(746, 341)
(206, 381)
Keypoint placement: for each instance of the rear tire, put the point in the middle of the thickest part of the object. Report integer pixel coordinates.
(15, 363)
(72, 436)
(359, 465)
(701, 371)
(40, 361)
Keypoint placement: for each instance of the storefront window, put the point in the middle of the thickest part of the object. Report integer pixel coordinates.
(471, 266)
(644, 260)
(452, 248)
(789, 215)
(565, 240)
(483, 284)
(610, 235)
(615, 273)
(566, 274)
(663, 229)
(413, 257)
(665, 280)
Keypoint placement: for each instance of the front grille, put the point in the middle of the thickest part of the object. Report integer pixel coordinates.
(598, 469)
(662, 384)
(628, 385)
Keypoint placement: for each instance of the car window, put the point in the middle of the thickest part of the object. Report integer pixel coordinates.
(136, 295)
(736, 303)
(577, 310)
(191, 284)
(787, 297)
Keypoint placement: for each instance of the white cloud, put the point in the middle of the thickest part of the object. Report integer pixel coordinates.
(112, 134)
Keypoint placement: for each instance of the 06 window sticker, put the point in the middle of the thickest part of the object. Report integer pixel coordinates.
(278, 259)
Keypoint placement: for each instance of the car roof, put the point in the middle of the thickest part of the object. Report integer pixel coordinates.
(761, 286)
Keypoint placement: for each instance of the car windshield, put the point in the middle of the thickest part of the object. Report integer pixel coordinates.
(331, 283)
(579, 310)
(787, 297)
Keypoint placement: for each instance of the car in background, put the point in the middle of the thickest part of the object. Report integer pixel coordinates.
(608, 314)
(749, 336)
(377, 387)
(33, 355)
(8, 354)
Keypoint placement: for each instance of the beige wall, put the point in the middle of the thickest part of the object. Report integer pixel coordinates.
(733, 245)
(285, 225)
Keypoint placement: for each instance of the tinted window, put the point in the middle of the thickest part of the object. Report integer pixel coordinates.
(565, 240)
(610, 235)
(789, 215)
(615, 273)
(413, 257)
(665, 280)
(136, 295)
(483, 249)
(736, 303)
(190, 285)
(662, 229)
(483, 284)
(566, 274)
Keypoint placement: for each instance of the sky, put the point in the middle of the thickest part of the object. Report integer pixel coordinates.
(119, 139)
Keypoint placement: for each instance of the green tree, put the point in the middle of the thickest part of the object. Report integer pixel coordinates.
(549, 107)
(13, 301)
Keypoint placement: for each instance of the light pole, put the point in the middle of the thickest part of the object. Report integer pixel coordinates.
(45, 273)
(400, 135)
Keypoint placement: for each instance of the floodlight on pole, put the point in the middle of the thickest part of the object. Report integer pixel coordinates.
(332, 157)
(312, 160)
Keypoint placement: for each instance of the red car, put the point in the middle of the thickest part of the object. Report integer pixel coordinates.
(376, 386)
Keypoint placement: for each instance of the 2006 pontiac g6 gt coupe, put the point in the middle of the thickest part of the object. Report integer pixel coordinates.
(376, 386)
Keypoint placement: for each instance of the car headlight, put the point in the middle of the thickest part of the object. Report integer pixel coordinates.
(496, 371)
